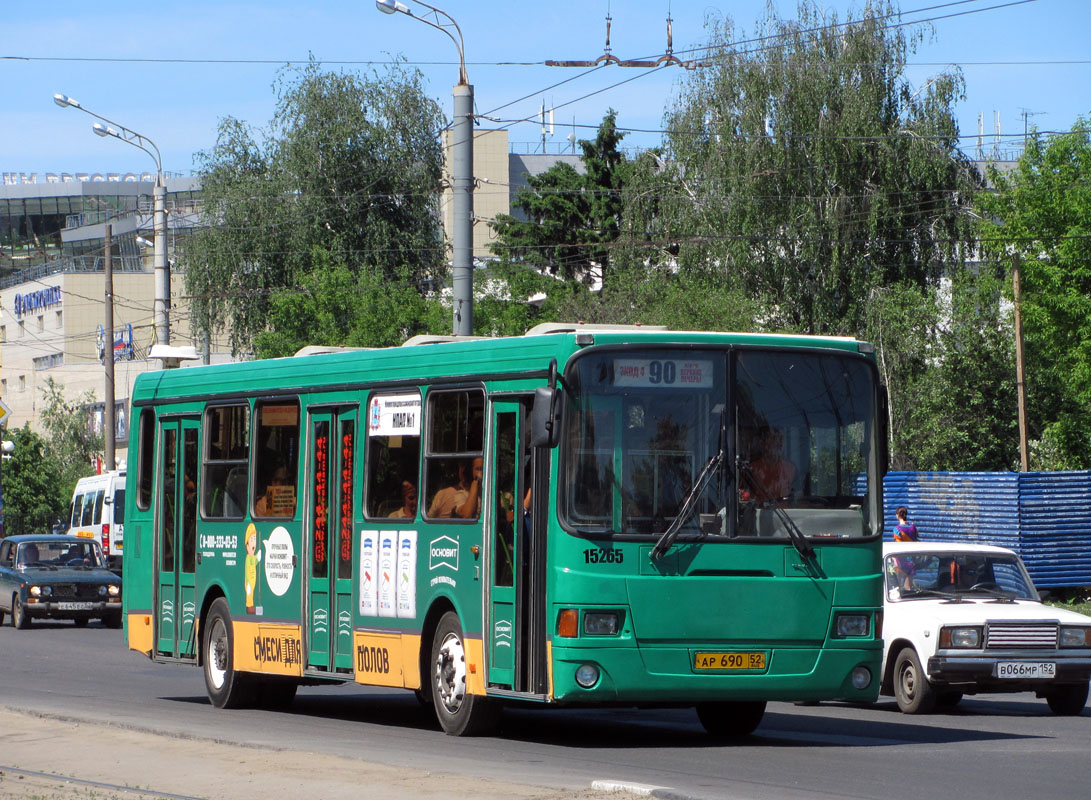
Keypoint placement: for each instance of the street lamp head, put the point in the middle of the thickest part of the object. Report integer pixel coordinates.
(103, 130)
(392, 7)
(64, 101)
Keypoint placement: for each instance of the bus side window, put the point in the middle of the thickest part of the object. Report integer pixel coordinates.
(99, 495)
(393, 456)
(145, 465)
(226, 461)
(77, 511)
(88, 510)
(276, 459)
(453, 458)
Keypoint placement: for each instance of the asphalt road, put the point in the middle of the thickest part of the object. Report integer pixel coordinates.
(1007, 746)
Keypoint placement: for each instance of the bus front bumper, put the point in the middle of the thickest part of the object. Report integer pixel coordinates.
(671, 675)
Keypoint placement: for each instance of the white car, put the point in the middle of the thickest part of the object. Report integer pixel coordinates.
(963, 618)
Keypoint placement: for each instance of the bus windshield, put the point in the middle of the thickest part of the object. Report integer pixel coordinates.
(792, 435)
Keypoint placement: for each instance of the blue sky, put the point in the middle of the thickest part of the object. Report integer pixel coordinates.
(178, 105)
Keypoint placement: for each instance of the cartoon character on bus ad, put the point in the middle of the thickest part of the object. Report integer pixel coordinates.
(250, 570)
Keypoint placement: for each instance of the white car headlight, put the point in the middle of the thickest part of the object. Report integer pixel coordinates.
(968, 637)
(1075, 636)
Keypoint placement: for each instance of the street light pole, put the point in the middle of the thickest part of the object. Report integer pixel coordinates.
(462, 166)
(159, 197)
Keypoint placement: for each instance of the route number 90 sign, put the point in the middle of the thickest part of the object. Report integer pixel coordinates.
(674, 373)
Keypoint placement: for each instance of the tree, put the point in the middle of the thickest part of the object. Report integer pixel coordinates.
(809, 172)
(571, 217)
(33, 490)
(1042, 211)
(347, 173)
(332, 305)
(70, 443)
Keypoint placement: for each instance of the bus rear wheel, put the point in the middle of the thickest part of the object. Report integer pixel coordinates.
(731, 719)
(226, 688)
(459, 712)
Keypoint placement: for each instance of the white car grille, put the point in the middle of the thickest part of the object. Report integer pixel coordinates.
(1021, 634)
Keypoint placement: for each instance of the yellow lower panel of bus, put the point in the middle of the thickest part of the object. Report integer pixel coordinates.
(140, 633)
(549, 668)
(475, 665)
(272, 649)
(385, 659)
(391, 659)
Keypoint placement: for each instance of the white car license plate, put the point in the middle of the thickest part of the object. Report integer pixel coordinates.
(75, 606)
(1026, 669)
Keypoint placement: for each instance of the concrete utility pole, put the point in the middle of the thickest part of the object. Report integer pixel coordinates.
(462, 167)
(108, 421)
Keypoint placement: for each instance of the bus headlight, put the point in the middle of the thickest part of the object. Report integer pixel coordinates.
(587, 675)
(851, 625)
(600, 623)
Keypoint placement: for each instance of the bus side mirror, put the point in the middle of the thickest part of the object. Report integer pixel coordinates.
(545, 417)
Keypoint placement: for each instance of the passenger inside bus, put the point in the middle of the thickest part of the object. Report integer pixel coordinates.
(408, 508)
(771, 473)
(462, 499)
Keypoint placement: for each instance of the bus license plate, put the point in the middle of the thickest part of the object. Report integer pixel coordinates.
(75, 606)
(719, 661)
(85, 534)
(1025, 669)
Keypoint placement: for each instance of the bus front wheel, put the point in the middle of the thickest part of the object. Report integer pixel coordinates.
(459, 712)
(731, 719)
(226, 688)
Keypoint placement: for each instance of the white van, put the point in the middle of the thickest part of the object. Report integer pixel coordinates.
(98, 512)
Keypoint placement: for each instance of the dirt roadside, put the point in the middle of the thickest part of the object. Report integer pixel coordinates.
(39, 756)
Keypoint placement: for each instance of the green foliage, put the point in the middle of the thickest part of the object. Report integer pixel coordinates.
(964, 414)
(334, 306)
(947, 358)
(1043, 211)
(33, 488)
(571, 217)
(347, 173)
(810, 172)
(70, 445)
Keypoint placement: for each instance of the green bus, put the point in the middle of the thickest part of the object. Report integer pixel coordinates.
(581, 516)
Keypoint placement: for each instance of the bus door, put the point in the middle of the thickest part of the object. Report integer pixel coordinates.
(516, 585)
(331, 448)
(176, 536)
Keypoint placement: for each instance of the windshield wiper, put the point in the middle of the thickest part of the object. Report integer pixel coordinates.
(799, 540)
(689, 502)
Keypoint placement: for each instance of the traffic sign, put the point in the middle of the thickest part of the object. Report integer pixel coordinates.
(5, 412)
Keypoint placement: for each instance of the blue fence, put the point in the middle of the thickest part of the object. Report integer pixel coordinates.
(1043, 516)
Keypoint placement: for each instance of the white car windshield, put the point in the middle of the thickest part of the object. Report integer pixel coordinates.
(921, 574)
